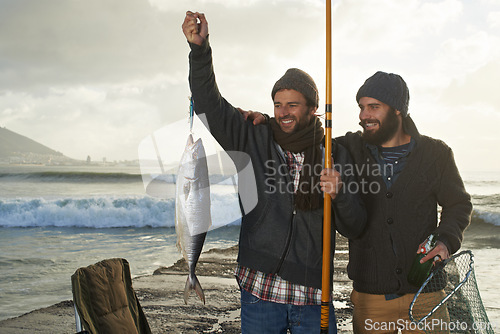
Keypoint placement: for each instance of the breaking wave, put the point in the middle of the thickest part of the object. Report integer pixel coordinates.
(56, 176)
(147, 211)
(106, 212)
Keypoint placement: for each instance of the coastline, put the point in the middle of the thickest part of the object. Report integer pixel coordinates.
(160, 295)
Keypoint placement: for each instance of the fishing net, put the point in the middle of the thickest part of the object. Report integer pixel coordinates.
(449, 300)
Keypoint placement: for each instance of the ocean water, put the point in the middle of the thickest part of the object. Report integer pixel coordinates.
(54, 220)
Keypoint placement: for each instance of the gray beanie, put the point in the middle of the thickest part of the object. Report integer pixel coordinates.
(388, 88)
(301, 82)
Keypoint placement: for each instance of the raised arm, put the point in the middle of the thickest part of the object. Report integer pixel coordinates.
(224, 122)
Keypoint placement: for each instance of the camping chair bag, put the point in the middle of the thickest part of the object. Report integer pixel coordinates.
(105, 300)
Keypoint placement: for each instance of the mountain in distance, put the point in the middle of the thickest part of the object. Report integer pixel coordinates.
(13, 143)
(16, 148)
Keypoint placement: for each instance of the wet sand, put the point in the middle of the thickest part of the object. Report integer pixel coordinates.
(161, 297)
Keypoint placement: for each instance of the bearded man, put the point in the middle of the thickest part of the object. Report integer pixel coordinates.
(416, 174)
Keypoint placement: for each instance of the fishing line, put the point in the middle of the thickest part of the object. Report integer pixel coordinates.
(191, 114)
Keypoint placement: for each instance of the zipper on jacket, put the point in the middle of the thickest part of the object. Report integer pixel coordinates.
(288, 241)
(294, 212)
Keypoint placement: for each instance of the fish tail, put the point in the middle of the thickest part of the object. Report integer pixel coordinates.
(192, 283)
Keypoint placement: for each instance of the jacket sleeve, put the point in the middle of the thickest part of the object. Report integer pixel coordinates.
(224, 122)
(456, 205)
(348, 207)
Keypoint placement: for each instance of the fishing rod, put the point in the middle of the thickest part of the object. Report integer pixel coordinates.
(327, 205)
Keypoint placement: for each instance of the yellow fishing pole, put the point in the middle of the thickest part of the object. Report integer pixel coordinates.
(327, 206)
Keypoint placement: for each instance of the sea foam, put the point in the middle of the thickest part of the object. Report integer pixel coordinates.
(488, 217)
(107, 212)
(133, 211)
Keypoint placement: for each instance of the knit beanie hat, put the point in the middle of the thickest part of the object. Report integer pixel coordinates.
(301, 82)
(389, 88)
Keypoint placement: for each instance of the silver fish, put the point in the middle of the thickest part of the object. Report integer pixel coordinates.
(192, 210)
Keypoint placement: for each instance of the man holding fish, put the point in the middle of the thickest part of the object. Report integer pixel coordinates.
(280, 246)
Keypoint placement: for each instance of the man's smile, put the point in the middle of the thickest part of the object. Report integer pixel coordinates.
(369, 124)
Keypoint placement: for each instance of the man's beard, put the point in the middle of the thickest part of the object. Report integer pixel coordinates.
(387, 129)
(301, 122)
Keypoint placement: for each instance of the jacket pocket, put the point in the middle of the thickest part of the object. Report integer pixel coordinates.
(257, 221)
(362, 265)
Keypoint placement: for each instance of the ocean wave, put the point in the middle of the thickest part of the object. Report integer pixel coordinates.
(106, 212)
(488, 200)
(483, 183)
(100, 177)
(144, 211)
(488, 217)
(87, 212)
(53, 176)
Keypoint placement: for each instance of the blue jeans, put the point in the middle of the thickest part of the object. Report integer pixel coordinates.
(261, 317)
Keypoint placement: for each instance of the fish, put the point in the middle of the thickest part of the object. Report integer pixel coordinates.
(192, 210)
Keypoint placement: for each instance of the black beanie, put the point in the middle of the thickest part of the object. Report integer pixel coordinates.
(388, 88)
(301, 82)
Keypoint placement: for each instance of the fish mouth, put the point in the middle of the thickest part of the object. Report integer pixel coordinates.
(190, 140)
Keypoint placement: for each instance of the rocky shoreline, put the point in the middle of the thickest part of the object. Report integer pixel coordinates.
(161, 298)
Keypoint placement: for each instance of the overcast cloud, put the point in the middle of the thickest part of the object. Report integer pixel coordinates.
(95, 77)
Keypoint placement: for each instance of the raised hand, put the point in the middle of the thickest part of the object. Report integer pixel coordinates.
(195, 27)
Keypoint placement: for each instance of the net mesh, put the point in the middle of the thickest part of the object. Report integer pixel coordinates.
(449, 301)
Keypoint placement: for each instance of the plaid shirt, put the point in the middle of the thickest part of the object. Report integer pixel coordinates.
(295, 162)
(271, 287)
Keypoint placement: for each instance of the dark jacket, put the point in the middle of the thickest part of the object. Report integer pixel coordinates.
(275, 237)
(401, 217)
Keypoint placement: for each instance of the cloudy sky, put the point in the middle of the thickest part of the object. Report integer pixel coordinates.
(95, 77)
